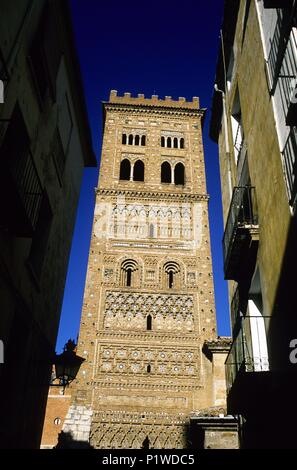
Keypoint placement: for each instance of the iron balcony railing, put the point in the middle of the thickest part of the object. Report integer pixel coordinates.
(248, 352)
(287, 81)
(241, 159)
(241, 214)
(58, 153)
(238, 308)
(290, 165)
(278, 46)
(28, 186)
(235, 306)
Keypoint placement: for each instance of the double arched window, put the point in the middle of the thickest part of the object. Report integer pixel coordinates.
(179, 174)
(165, 172)
(125, 169)
(133, 139)
(128, 268)
(134, 172)
(173, 142)
(171, 174)
(138, 173)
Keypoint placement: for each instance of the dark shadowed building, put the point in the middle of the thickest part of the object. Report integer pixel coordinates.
(45, 144)
(254, 122)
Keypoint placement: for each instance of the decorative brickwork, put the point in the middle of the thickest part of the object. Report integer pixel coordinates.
(148, 303)
(129, 430)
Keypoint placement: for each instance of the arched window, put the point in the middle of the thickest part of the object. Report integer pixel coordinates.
(162, 141)
(170, 279)
(148, 368)
(130, 141)
(128, 277)
(179, 174)
(146, 443)
(125, 169)
(169, 142)
(137, 140)
(128, 268)
(152, 231)
(182, 143)
(165, 172)
(124, 139)
(138, 174)
(143, 140)
(171, 269)
(175, 142)
(149, 322)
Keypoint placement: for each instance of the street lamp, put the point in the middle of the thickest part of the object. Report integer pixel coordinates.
(66, 365)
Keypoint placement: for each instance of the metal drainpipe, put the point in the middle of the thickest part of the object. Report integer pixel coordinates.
(226, 140)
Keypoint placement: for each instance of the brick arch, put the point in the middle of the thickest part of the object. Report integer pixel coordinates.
(133, 262)
(166, 172)
(172, 266)
(177, 266)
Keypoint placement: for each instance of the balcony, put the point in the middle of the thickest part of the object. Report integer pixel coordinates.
(24, 195)
(240, 242)
(278, 46)
(289, 157)
(288, 81)
(247, 364)
(241, 160)
(238, 308)
(59, 156)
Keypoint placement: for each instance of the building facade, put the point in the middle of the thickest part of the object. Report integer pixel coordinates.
(44, 146)
(254, 122)
(58, 402)
(148, 305)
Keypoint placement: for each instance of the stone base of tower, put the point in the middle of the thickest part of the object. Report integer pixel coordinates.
(123, 430)
(147, 430)
(76, 428)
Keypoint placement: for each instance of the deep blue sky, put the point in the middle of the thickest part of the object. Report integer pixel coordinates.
(155, 47)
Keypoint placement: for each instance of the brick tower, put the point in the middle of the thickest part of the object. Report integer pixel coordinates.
(148, 306)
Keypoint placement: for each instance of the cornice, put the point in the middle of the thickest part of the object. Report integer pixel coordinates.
(153, 195)
(128, 385)
(221, 344)
(168, 339)
(144, 108)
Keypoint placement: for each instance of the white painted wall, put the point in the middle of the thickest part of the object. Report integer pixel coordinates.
(258, 337)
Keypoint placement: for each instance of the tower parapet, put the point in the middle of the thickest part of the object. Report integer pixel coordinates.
(154, 100)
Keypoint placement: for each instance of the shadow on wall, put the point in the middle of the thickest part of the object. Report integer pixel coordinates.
(195, 437)
(66, 441)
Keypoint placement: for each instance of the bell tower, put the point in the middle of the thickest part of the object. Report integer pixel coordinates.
(149, 300)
